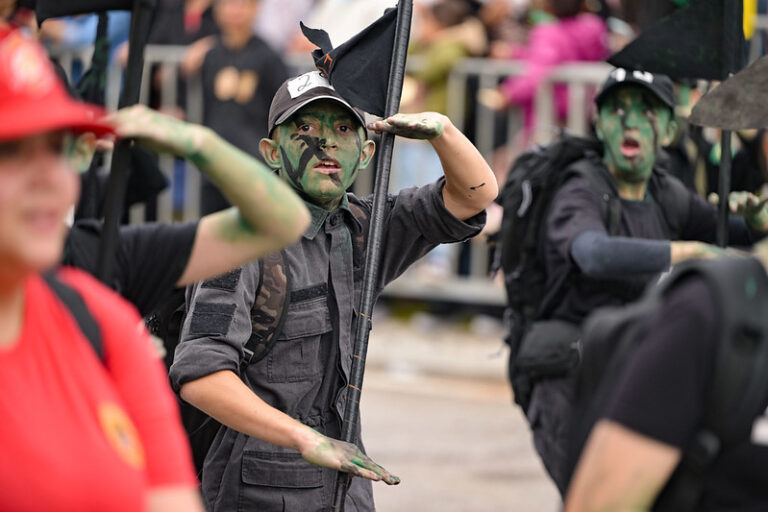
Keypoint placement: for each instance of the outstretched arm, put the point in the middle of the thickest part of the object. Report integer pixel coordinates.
(266, 215)
(226, 398)
(470, 185)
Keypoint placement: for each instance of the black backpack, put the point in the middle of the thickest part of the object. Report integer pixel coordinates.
(166, 323)
(740, 381)
(530, 186)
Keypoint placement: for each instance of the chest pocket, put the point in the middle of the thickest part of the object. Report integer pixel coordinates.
(296, 355)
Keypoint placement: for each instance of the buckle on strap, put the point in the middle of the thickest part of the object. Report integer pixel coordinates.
(247, 358)
(702, 451)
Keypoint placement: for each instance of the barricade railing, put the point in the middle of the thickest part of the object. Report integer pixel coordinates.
(162, 74)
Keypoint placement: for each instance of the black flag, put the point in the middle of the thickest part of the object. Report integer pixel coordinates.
(358, 68)
(692, 42)
(738, 103)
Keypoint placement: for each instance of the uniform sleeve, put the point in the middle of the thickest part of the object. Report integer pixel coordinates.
(574, 210)
(151, 259)
(662, 392)
(139, 378)
(417, 221)
(217, 325)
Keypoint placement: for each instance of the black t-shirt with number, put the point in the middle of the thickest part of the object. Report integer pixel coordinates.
(663, 395)
(150, 258)
(575, 209)
(238, 86)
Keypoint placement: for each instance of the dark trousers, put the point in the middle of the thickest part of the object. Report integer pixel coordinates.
(549, 415)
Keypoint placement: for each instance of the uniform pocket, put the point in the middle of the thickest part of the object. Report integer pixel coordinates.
(277, 469)
(296, 354)
(279, 481)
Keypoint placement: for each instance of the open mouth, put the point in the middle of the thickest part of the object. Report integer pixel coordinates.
(328, 166)
(630, 147)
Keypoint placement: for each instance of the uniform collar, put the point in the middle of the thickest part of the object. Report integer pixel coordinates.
(320, 215)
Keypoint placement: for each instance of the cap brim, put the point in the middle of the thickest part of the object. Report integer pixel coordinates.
(29, 118)
(630, 81)
(288, 113)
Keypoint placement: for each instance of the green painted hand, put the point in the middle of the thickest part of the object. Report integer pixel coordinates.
(425, 125)
(159, 132)
(335, 454)
(749, 206)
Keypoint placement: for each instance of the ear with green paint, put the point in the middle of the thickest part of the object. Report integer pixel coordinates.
(366, 154)
(598, 128)
(83, 149)
(270, 151)
(669, 136)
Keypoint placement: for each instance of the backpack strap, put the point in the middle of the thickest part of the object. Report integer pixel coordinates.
(267, 313)
(76, 305)
(673, 198)
(602, 183)
(739, 387)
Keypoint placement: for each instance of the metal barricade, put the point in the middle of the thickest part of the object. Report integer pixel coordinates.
(162, 70)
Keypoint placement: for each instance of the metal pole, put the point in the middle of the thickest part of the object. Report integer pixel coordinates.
(733, 36)
(114, 202)
(373, 251)
(724, 188)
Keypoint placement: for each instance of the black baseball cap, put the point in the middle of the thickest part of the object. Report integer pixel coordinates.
(302, 90)
(660, 85)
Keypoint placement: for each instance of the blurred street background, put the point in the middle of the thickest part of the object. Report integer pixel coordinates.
(437, 411)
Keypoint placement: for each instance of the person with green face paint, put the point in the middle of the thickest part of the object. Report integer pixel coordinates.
(602, 247)
(283, 413)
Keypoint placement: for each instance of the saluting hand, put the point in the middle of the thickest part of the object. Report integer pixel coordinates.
(424, 125)
(158, 132)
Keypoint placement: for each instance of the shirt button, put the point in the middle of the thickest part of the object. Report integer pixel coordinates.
(334, 220)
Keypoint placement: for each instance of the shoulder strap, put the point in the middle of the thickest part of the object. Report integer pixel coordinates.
(267, 313)
(76, 305)
(673, 198)
(600, 181)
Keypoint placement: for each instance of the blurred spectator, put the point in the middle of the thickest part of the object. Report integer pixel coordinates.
(340, 18)
(561, 33)
(80, 31)
(241, 74)
(447, 32)
(182, 22)
(278, 20)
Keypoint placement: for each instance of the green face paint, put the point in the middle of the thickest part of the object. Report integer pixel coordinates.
(632, 125)
(321, 151)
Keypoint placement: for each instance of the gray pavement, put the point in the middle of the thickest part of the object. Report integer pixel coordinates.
(437, 411)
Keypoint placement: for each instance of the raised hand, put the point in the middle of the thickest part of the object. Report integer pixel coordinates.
(332, 453)
(425, 125)
(749, 206)
(159, 132)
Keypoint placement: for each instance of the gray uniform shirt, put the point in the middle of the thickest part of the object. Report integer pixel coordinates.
(305, 374)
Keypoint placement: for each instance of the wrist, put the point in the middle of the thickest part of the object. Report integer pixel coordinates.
(202, 143)
(303, 438)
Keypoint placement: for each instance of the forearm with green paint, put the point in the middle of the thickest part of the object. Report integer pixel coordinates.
(264, 204)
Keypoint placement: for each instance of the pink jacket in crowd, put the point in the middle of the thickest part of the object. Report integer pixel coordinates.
(581, 38)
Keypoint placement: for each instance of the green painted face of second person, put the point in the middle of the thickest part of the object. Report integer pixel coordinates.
(319, 151)
(633, 125)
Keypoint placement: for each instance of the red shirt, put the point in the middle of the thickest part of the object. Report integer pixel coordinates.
(76, 433)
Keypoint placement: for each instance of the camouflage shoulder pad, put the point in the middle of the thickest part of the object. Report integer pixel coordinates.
(267, 313)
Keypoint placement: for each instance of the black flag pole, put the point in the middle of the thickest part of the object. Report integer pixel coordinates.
(732, 48)
(373, 250)
(114, 202)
